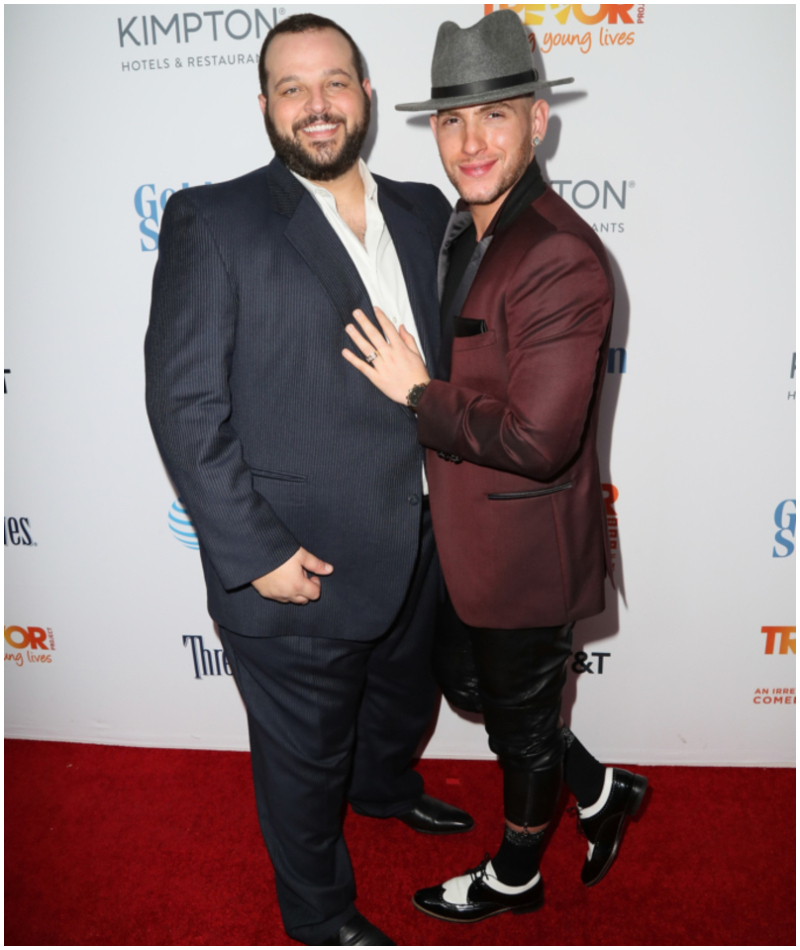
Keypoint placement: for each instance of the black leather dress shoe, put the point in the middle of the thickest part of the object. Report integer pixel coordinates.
(358, 932)
(432, 817)
(477, 895)
(604, 828)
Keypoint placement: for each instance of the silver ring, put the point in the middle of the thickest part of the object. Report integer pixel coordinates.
(371, 358)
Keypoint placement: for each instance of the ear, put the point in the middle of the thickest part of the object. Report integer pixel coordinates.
(367, 87)
(262, 104)
(434, 125)
(540, 113)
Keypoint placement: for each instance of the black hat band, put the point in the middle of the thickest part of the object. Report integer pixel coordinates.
(484, 85)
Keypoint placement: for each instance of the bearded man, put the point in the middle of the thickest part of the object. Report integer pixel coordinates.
(527, 297)
(305, 485)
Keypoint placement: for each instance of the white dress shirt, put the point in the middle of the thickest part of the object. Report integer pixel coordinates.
(376, 259)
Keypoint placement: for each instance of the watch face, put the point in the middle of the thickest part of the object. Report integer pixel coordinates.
(415, 394)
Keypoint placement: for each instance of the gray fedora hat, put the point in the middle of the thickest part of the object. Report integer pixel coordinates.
(482, 63)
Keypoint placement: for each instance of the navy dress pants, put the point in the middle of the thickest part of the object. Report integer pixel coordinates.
(332, 721)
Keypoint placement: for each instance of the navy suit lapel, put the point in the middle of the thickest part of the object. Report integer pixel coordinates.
(413, 245)
(315, 240)
(317, 243)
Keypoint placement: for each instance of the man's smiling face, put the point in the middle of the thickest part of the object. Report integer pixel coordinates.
(485, 149)
(317, 113)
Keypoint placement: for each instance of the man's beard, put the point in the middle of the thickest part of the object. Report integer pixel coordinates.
(324, 163)
(506, 183)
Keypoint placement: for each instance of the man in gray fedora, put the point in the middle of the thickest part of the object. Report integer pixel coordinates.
(510, 427)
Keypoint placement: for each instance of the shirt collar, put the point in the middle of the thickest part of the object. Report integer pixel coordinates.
(370, 185)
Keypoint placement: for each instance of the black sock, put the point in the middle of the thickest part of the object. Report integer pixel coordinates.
(583, 774)
(517, 861)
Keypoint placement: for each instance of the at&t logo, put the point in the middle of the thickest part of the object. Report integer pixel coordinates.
(34, 644)
(181, 526)
(583, 664)
(786, 520)
(148, 203)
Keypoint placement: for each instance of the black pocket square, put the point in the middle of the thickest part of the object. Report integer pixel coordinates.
(465, 326)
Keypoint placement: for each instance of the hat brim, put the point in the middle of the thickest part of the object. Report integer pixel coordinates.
(478, 99)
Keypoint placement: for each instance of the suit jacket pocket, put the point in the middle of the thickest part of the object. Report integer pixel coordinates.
(465, 326)
(283, 490)
(516, 495)
(461, 343)
(278, 476)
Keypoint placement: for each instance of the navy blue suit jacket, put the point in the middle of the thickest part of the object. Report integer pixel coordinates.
(272, 440)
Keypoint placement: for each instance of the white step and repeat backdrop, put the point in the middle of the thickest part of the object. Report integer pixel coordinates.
(676, 143)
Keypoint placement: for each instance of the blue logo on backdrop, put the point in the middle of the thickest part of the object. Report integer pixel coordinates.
(786, 520)
(617, 359)
(147, 203)
(181, 527)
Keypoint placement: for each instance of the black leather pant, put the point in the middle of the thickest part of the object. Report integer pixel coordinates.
(515, 678)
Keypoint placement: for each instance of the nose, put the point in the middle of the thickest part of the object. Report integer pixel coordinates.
(317, 100)
(474, 142)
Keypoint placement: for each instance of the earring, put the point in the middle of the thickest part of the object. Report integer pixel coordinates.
(536, 141)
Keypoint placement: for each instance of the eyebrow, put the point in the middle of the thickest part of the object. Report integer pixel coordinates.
(334, 71)
(485, 108)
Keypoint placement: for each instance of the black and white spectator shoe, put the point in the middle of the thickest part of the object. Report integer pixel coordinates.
(603, 823)
(478, 894)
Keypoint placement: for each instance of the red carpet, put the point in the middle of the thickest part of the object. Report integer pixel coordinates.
(120, 846)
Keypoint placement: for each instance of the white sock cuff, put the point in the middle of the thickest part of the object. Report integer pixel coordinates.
(496, 885)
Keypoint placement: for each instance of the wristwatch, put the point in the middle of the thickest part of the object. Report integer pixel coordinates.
(414, 395)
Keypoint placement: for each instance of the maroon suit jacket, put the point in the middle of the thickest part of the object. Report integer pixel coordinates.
(520, 522)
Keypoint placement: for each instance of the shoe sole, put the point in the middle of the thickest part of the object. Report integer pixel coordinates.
(634, 804)
(522, 909)
(450, 831)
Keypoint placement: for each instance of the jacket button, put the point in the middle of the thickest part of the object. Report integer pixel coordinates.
(413, 499)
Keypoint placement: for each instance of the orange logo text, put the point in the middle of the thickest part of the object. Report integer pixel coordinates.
(23, 637)
(610, 495)
(775, 697)
(784, 636)
(532, 14)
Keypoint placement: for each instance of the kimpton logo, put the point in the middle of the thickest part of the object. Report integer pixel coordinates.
(181, 526)
(191, 25)
(597, 196)
(149, 37)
